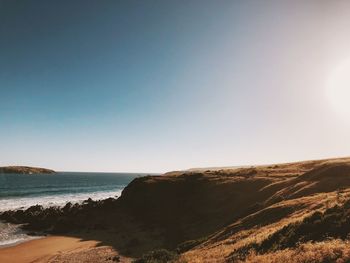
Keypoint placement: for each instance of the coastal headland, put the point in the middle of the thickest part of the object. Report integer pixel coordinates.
(269, 213)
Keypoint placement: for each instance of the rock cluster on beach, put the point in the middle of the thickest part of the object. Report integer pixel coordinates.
(71, 217)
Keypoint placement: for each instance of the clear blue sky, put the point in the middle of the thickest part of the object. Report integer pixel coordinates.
(164, 85)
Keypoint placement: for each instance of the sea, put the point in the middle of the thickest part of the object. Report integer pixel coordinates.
(20, 191)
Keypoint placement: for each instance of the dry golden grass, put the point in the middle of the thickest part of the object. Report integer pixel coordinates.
(328, 251)
(225, 213)
(240, 207)
(215, 250)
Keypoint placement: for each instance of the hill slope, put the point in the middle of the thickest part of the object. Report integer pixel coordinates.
(253, 214)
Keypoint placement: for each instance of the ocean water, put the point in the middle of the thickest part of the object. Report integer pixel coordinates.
(18, 191)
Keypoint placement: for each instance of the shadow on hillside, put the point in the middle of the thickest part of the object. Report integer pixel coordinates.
(164, 211)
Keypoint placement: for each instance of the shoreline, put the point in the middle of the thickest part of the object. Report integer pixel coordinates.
(45, 245)
(38, 250)
(73, 187)
(16, 243)
(12, 234)
(58, 200)
(45, 249)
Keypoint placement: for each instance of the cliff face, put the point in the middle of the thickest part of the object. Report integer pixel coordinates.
(24, 170)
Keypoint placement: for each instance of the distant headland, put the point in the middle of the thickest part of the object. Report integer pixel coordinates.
(24, 170)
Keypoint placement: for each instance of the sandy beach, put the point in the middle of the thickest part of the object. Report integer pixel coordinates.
(58, 249)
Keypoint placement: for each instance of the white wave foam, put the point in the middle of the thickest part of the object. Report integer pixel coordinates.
(14, 241)
(54, 200)
(12, 234)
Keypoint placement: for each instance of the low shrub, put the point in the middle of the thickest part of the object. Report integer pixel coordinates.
(158, 256)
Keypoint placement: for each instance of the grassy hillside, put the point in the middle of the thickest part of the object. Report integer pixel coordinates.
(304, 220)
(296, 212)
(242, 214)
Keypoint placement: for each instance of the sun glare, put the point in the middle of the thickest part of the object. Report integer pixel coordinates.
(338, 88)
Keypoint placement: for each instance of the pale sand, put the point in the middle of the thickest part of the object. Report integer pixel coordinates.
(58, 249)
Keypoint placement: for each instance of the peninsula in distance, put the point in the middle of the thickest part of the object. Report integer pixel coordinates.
(24, 170)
